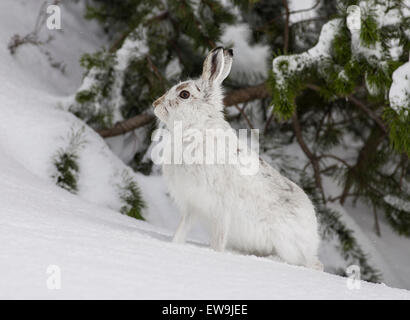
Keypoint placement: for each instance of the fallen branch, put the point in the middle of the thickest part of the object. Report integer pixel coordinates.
(232, 98)
(127, 125)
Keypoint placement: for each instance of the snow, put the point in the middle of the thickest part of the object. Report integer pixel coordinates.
(399, 94)
(392, 249)
(283, 66)
(373, 53)
(397, 203)
(101, 253)
(298, 5)
(254, 57)
(385, 14)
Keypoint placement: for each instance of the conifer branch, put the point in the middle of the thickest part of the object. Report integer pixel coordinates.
(335, 158)
(288, 13)
(118, 43)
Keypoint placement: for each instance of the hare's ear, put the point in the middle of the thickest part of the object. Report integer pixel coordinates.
(228, 58)
(214, 66)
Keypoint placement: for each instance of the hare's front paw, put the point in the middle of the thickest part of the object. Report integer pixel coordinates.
(183, 228)
(218, 242)
(220, 237)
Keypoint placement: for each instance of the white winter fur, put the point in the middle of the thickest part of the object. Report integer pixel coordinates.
(264, 214)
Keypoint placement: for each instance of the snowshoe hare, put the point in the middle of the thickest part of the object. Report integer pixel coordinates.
(264, 214)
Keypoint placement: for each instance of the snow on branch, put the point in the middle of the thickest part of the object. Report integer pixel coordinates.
(285, 66)
(399, 94)
(100, 96)
(369, 40)
(397, 203)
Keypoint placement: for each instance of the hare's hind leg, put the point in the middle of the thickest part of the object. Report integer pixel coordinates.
(293, 251)
(316, 265)
(275, 258)
(297, 256)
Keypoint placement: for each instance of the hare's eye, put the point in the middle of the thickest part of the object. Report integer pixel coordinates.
(184, 94)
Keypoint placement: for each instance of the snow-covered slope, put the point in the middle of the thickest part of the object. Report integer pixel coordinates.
(101, 253)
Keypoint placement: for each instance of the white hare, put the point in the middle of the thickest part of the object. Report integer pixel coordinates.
(264, 214)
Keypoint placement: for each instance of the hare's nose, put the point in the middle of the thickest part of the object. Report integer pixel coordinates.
(157, 102)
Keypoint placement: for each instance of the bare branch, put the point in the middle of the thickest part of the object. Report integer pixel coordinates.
(246, 94)
(242, 112)
(314, 160)
(310, 20)
(307, 9)
(286, 31)
(369, 112)
(265, 129)
(232, 98)
(376, 222)
(336, 158)
(127, 125)
(359, 104)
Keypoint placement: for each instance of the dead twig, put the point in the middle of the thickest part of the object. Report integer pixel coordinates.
(314, 160)
(242, 112)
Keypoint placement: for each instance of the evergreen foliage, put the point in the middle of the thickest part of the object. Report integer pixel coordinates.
(348, 63)
(156, 44)
(67, 167)
(91, 101)
(130, 195)
(358, 68)
(66, 163)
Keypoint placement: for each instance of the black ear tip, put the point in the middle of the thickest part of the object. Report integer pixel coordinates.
(230, 51)
(216, 49)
